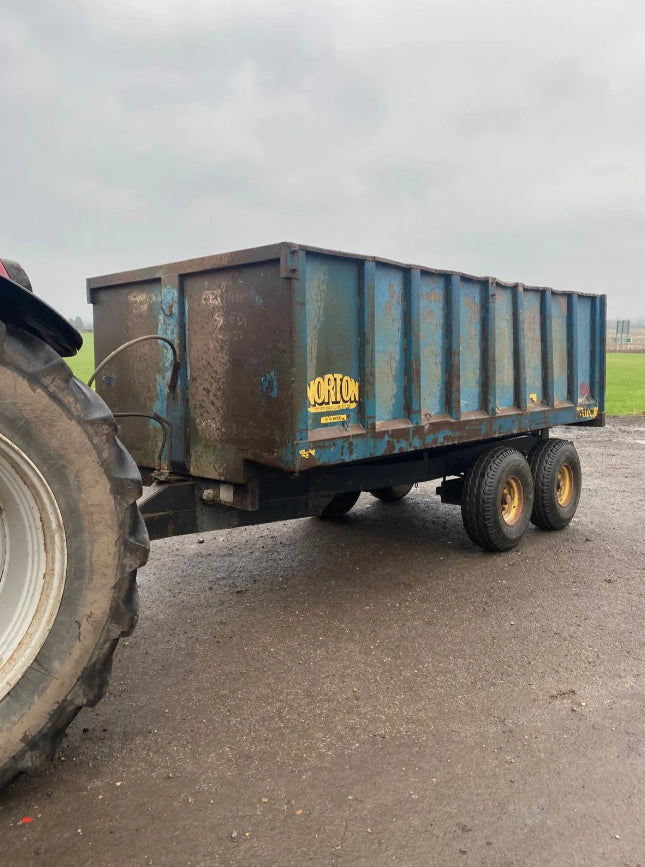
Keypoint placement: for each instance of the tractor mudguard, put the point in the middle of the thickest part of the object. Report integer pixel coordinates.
(20, 307)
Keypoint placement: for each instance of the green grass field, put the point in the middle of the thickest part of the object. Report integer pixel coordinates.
(83, 363)
(625, 377)
(625, 383)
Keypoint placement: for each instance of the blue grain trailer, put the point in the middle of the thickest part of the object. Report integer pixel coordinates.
(254, 386)
(306, 376)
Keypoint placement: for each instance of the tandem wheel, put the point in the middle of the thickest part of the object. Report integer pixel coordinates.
(497, 499)
(557, 479)
(391, 494)
(340, 505)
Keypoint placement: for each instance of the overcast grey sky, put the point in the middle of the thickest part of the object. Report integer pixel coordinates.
(501, 137)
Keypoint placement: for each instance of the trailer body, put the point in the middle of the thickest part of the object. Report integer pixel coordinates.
(296, 358)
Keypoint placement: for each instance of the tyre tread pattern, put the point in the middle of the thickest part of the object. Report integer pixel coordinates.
(479, 509)
(544, 460)
(48, 371)
(340, 505)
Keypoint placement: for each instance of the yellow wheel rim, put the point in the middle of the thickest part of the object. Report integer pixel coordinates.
(512, 501)
(565, 485)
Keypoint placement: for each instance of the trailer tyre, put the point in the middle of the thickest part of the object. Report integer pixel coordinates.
(557, 478)
(71, 539)
(497, 499)
(340, 505)
(392, 494)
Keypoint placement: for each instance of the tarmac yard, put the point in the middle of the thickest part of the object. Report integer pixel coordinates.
(368, 692)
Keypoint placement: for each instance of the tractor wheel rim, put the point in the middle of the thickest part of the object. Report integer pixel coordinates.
(512, 503)
(33, 562)
(565, 485)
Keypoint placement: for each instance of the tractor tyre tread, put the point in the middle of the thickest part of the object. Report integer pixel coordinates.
(47, 371)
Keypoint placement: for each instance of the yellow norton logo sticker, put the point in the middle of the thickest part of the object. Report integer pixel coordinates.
(587, 412)
(332, 392)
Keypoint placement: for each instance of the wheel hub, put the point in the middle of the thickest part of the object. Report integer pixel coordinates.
(565, 485)
(512, 501)
(33, 562)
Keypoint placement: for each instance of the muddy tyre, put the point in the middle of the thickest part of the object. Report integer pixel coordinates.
(340, 505)
(71, 539)
(557, 479)
(497, 499)
(391, 494)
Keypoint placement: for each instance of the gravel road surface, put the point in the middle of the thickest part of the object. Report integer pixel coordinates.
(370, 692)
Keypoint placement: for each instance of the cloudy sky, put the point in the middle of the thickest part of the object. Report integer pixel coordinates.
(502, 137)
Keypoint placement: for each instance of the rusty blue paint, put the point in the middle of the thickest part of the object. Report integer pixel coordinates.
(269, 384)
(453, 362)
(573, 362)
(169, 309)
(561, 354)
(349, 358)
(434, 337)
(584, 360)
(504, 346)
(412, 347)
(546, 357)
(489, 344)
(165, 313)
(389, 353)
(519, 348)
(598, 343)
(358, 447)
(367, 344)
(470, 325)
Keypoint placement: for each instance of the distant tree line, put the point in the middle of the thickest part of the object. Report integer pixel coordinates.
(79, 325)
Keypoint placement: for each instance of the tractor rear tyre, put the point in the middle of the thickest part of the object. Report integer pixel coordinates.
(71, 539)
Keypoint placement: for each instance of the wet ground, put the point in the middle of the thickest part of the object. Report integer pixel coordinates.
(371, 692)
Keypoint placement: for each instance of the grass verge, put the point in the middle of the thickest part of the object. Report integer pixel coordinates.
(625, 383)
(82, 364)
